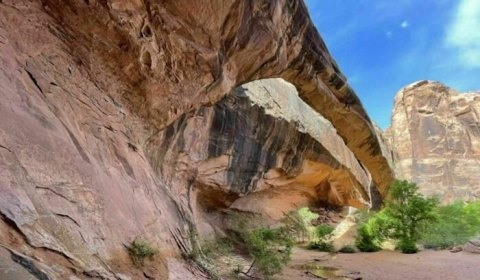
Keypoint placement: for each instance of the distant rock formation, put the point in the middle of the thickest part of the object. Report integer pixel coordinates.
(435, 139)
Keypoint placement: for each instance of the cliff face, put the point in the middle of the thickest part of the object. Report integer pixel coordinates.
(435, 138)
(114, 124)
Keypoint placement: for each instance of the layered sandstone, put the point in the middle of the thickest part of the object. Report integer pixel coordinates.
(435, 139)
(260, 150)
(114, 125)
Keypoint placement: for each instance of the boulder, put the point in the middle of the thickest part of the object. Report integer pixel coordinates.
(472, 246)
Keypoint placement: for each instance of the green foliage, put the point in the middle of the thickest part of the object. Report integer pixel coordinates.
(407, 247)
(140, 250)
(270, 249)
(456, 224)
(366, 241)
(217, 247)
(347, 249)
(405, 214)
(323, 233)
(408, 211)
(237, 270)
(300, 222)
(307, 215)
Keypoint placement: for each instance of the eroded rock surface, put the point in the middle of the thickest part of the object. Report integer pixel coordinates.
(261, 150)
(435, 138)
(93, 95)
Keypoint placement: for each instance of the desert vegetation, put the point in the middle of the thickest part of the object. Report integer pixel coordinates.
(141, 250)
(323, 239)
(410, 219)
(455, 224)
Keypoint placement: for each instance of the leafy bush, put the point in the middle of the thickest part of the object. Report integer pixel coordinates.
(406, 212)
(365, 241)
(407, 247)
(347, 249)
(140, 250)
(300, 222)
(455, 225)
(409, 211)
(323, 233)
(270, 249)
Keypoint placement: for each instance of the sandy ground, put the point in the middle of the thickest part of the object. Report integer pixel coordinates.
(385, 265)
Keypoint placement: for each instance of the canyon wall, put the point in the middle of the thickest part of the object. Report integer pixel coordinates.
(124, 119)
(435, 140)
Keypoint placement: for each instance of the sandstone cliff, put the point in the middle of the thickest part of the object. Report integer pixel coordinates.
(435, 139)
(114, 124)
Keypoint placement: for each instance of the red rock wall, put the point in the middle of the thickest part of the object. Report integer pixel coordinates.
(86, 84)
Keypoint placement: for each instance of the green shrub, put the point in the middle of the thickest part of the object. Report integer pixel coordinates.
(323, 233)
(217, 247)
(409, 211)
(365, 241)
(407, 247)
(405, 213)
(300, 222)
(347, 249)
(456, 224)
(270, 249)
(140, 250)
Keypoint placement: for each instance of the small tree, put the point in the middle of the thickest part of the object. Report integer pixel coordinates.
(299, 222)
(270, 249)
(406, 210)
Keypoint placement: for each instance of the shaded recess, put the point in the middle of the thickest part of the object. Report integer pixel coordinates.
(262, 150)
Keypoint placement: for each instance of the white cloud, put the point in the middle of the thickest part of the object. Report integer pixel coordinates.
(463, 33)
(404, 24)
(389, 34)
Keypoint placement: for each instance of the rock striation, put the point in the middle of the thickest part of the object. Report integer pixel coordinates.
(435, 140)
(119, 119)
(260, 150)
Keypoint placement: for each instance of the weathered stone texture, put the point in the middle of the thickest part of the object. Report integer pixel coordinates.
(262, 150)
(101, 100)
(435, 138)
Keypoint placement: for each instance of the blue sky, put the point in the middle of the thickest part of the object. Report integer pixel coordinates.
(384, 45)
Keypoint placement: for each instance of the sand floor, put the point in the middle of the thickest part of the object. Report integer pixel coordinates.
(385, 265)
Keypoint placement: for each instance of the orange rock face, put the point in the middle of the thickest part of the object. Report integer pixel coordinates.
(90, 89)
(435, 138)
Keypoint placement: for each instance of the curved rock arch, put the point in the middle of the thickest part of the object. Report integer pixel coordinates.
(202, 50)
(74, 81)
